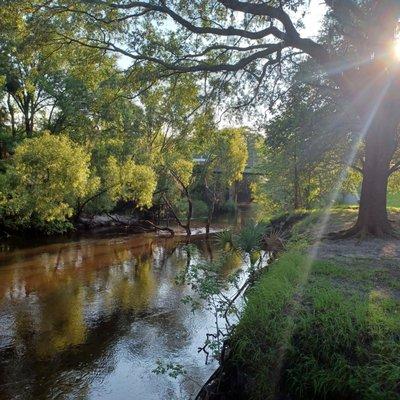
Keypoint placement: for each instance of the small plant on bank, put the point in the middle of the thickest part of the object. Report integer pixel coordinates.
(221, 294)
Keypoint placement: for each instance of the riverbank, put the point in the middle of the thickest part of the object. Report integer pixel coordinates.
(322, 322)
(120, 224)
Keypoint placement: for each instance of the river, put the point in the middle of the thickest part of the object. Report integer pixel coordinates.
(88, 318)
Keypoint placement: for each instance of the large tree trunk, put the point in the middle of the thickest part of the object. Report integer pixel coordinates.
(28, 124)
(380, 146)
(372, 216)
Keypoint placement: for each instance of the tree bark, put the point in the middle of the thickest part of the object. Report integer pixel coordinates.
(12, 115)
(380, 145)
(28, 124)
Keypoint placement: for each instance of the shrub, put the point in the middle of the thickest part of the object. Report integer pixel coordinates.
(46, 177)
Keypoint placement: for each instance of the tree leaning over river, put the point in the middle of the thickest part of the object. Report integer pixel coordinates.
(254, 41)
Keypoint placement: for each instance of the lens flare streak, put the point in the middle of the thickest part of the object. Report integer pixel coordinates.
(323, 221)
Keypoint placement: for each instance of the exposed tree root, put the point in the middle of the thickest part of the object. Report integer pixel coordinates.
(363, 231)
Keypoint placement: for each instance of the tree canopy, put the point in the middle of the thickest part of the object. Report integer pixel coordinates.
(254, 43)
(192, 60)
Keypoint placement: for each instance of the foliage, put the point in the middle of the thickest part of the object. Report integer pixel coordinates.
(394, 185)
(210, 289)
(218, 284)
(228, 207)
(129, 181)
(228, 155)
(225, 153)
(199, 208)
(394, 200)
(47, 175)
(136, 142)
(171, 369)
(182, 171)
(225, 157)
(249, 238)
(304, 152)
(51, 84)
(352, 58)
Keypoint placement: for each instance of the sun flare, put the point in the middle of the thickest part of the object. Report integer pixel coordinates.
(397, 49)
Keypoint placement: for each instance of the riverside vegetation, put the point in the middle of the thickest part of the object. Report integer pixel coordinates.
(322, 322)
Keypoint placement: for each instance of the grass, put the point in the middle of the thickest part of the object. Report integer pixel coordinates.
(326, 329)
(393, 200)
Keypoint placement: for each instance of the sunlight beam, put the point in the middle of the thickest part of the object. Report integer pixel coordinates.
(396, 49)
(324, 219)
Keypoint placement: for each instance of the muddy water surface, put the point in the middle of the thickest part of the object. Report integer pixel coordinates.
(88, 319)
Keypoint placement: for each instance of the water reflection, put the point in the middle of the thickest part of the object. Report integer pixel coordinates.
(88, 319)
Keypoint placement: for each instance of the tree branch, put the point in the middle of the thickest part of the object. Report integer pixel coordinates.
(162, 8)
(177, 66)
(394, 168)
(266, 10)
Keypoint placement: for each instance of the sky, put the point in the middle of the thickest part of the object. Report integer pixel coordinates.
(313, 19)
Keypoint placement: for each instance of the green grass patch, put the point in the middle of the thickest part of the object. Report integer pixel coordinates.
(322, 330)
(393, 200)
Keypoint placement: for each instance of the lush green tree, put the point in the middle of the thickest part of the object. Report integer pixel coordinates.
(136, 131)
(47, 175)
(50, 179)
(172, 118)
(180, 173)
(254, 42)
(128, 181)
(304, 153)
(53, 84)
(26, 63)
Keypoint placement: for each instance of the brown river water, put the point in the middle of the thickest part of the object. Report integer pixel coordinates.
(88, 318)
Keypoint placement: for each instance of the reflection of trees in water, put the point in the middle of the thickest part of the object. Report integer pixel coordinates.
(131, 285)
(72, 305)
(62, 321)
(68, 372)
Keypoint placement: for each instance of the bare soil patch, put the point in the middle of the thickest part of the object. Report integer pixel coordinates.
(368, 249)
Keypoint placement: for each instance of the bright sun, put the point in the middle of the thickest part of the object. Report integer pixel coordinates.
(397, 49)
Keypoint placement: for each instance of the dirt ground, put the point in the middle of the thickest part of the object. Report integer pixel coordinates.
(387, 250)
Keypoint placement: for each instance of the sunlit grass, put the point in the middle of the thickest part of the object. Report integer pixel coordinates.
(393, 200)
(322, 329)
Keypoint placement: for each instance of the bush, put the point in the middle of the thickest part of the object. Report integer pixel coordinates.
(46, 177)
